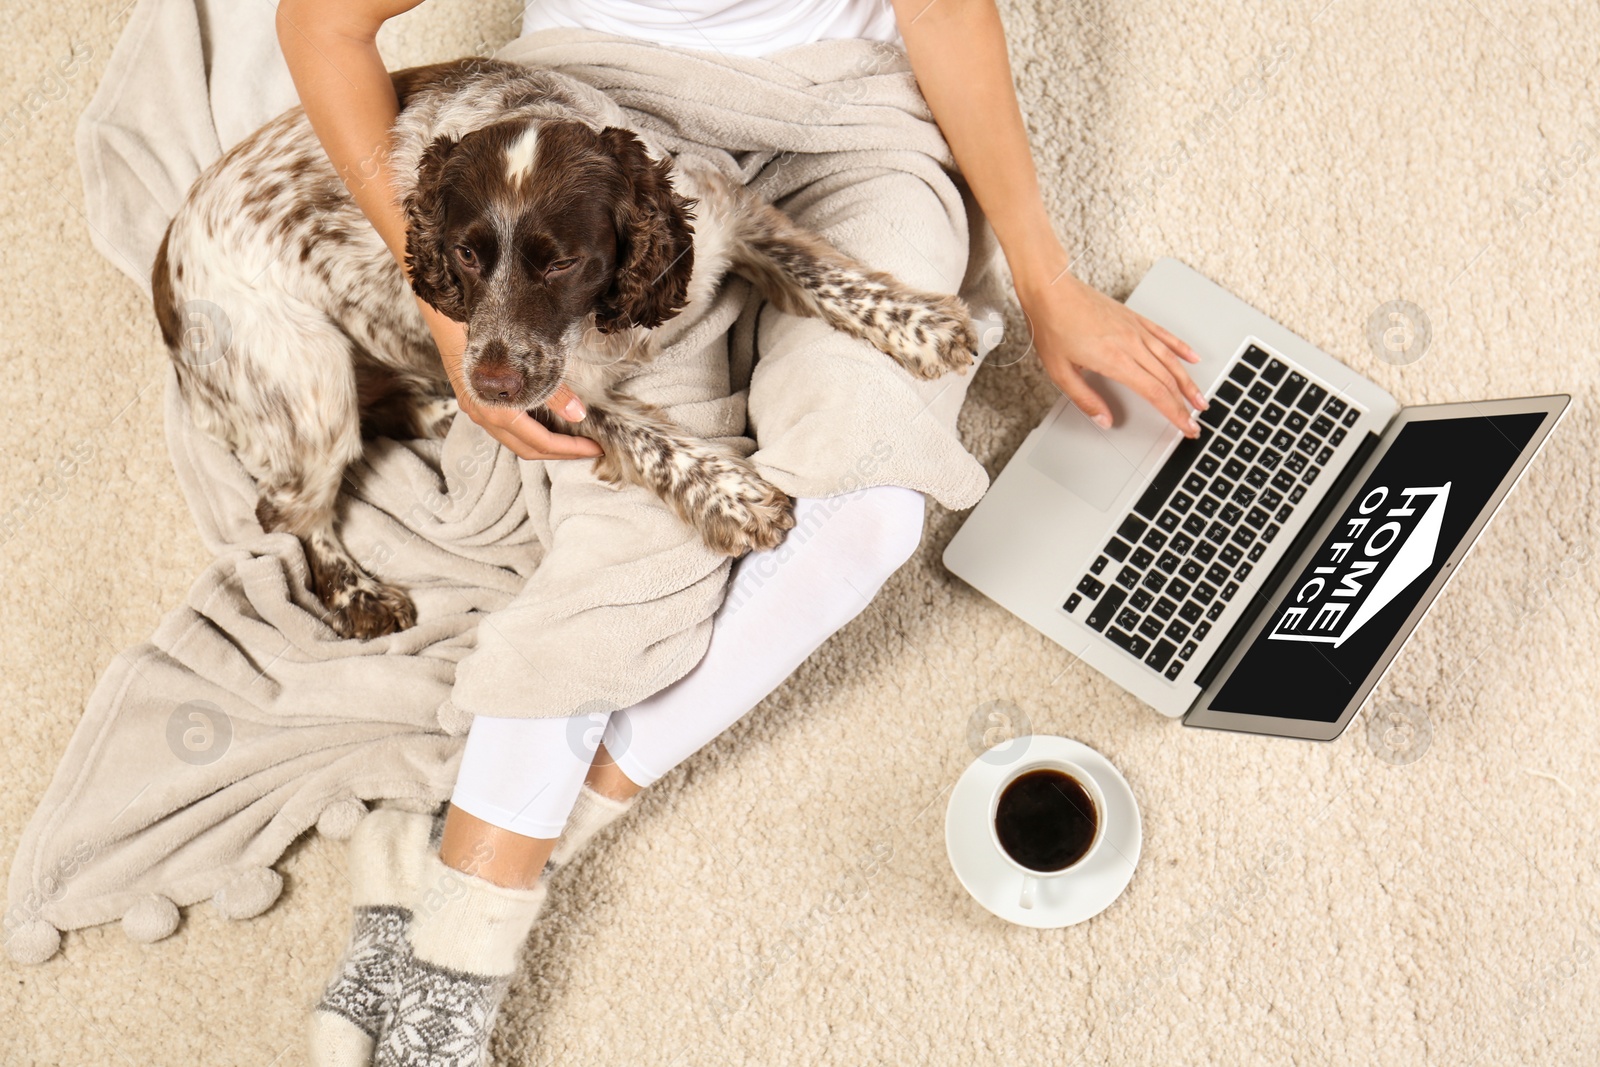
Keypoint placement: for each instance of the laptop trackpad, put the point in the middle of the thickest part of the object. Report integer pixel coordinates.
(1086, 460)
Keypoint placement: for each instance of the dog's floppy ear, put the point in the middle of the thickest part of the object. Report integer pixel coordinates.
(427, 258)
(655, 241)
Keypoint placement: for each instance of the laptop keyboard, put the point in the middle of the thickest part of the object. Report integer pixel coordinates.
(1194, 536)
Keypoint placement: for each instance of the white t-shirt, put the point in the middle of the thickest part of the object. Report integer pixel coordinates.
(740, 27)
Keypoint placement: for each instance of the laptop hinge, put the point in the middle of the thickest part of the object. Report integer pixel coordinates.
(1290, 560)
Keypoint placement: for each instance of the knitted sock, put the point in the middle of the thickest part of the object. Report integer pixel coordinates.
(465, 937)
(591, 813)
(385, 859)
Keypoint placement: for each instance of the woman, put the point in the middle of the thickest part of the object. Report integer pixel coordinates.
(436, 940)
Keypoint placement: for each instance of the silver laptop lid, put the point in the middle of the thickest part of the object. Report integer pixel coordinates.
(1344, 601)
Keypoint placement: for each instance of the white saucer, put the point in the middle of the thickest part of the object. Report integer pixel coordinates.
(994, 883)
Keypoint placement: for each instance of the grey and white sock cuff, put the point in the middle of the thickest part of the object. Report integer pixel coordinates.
(385, 857)
(593, 803)
(468, 924)
(591, 813)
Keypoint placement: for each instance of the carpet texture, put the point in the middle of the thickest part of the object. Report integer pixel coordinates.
(1421, 891)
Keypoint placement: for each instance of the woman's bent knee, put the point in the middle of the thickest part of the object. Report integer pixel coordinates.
(884, 530)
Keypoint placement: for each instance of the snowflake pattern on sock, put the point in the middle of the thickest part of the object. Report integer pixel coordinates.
(439, 1017)
(370, 967)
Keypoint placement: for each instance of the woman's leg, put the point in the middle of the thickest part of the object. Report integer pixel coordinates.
(477, 892)
(517, 784)
(782, 605)
(519, 778)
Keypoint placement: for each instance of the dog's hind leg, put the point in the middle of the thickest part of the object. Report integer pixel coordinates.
(926, 333)
(359, 605)
(284, 397)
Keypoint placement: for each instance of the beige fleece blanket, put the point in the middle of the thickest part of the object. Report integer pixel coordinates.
(205, 751)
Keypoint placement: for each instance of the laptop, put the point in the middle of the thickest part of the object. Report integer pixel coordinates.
(1262, 577)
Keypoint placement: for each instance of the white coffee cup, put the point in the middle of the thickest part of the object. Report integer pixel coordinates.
(1030, 877)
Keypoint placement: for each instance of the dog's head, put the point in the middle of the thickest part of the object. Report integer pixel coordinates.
(531, 233)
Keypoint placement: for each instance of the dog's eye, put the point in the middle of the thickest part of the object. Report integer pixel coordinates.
(560, 265)
(467, 256)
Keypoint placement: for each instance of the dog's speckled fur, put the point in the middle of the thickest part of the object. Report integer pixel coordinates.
(561, 242)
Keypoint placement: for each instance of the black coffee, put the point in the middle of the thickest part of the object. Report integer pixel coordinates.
(1045, 820)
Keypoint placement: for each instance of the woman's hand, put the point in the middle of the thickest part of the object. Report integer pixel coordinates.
(517, 430)
(958, 53)
(1076, 328)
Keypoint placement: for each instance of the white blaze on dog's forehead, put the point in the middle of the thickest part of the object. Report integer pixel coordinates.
(519, 157)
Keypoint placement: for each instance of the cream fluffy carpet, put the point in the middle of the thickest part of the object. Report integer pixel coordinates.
(785, 897)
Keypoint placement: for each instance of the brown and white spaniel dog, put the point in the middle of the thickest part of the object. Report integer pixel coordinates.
(560, 241)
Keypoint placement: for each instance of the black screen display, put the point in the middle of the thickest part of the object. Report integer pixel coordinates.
(1341, 611)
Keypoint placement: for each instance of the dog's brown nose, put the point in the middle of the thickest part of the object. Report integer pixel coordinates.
(497, 381)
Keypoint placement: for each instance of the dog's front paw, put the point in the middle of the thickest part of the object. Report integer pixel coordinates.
(365, 609)
(435, 415)
(928, 335)
(743, 512)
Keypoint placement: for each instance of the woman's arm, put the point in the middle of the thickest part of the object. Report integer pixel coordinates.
(332, 52)
(958, 51)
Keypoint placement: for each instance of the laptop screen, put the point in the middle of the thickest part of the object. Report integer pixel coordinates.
(1333, 621)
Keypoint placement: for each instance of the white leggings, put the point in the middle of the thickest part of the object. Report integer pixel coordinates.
(523, 775)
